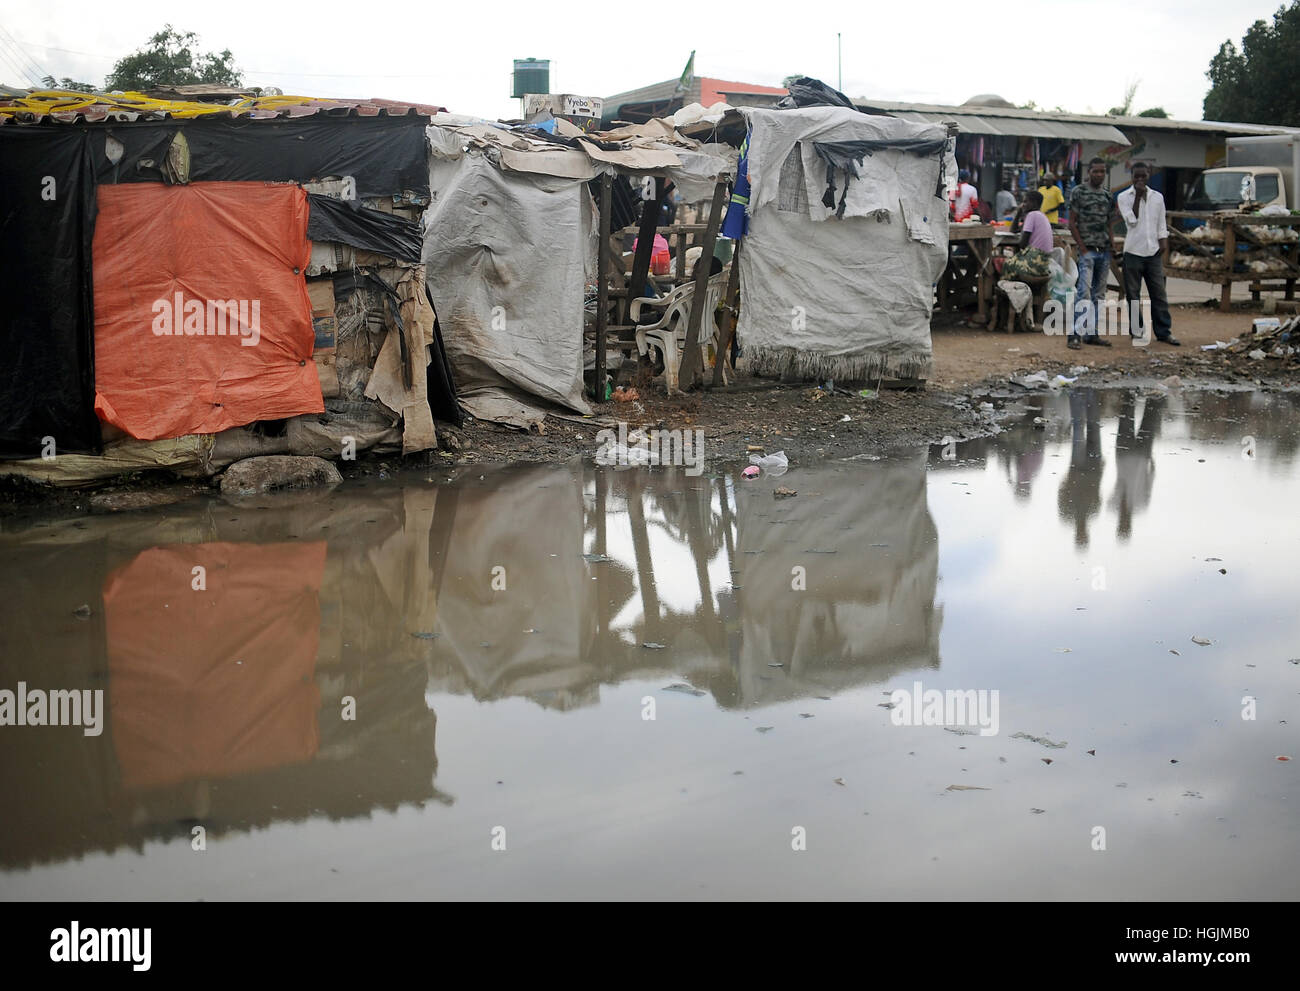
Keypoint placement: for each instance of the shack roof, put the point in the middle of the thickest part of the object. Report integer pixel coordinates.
(972, 118)
(67, 107)
(652, 148)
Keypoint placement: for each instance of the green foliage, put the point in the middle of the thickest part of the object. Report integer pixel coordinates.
(49, 82)
(1154, 112)
(172, 58)
(1258, 83)
(1125, 108)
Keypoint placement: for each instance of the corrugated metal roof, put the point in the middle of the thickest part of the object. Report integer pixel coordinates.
(1003, 116)
(1065, 130)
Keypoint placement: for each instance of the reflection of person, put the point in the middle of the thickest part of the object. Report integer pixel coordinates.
(1145, 241)
(1135, 468)
(1092, 216)
(1079, 498)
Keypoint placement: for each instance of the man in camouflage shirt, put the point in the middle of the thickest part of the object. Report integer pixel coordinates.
(1091, 217)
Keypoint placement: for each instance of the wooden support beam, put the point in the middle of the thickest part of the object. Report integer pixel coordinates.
(1229, 261)
(692, 366)
(645, 244)
(731, 303)
(602, 286)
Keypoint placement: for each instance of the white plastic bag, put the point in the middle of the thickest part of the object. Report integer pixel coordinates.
(772, 464)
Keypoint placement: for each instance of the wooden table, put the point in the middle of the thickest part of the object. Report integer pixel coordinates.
(1237, 228)
(984, 242)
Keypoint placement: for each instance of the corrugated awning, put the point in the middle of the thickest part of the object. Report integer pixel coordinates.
(1065, 130)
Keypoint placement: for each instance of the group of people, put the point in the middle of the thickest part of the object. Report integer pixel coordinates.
(1092, 215)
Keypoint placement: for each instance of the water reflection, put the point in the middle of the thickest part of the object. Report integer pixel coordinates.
(276, 663)
(302, 680)
(1117, 429)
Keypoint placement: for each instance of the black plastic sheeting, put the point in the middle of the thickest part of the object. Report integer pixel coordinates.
(385, 155)
(808, 92)
(47, 224)
(371, 230)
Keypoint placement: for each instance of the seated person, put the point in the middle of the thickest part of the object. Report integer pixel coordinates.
(1033, 259)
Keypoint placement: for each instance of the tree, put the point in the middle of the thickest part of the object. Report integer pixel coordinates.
(1154, 112)
(1257, 83)
(76, 86)
(1125, 108)
(171, 58)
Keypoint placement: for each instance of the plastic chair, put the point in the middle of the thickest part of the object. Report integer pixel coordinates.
(668, 333)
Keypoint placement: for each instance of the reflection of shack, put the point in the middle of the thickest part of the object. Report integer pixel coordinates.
(847, 232)
(225, 706)
(517, 608)
(204, 282)
(858, 617)
(511, 244)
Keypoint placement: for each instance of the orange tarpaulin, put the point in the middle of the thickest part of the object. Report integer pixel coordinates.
(218, 681)
(202, 320)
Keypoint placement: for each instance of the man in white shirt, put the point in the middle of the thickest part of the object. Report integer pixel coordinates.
(1143, 210)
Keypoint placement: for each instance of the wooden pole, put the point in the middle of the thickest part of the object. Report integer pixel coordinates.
(1230, 260)
(645, 243)
(602, 287)
(732, 304)
(692, 367)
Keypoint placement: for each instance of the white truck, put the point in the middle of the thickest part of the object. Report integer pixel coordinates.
(1261, 168)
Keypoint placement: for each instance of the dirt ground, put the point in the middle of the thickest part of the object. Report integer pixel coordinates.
(969, 363)
(965, 397)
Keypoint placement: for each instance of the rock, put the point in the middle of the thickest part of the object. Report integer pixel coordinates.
(120, 502)
(256, 476)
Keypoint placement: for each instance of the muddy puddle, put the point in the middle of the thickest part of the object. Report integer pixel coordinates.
(559, 681)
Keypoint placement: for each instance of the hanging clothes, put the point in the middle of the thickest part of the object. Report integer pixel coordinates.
(736, 223)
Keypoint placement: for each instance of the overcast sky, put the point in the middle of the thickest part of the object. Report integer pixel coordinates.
(1078, 55)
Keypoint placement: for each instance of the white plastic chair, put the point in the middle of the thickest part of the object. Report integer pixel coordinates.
(668, 333)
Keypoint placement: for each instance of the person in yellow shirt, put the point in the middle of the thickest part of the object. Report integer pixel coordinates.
(1053, 198)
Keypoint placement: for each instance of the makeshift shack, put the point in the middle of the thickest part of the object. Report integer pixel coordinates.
(847, 233)
(202, 282)
(511, 244)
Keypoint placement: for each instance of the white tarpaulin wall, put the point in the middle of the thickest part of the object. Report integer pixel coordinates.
(508, 257)
(846, 298)
(510, 244)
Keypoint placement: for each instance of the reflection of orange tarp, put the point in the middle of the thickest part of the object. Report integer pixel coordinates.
(218, 265)
(215, 683)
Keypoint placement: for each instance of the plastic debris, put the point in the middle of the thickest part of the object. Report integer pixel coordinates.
(1203, 641)
(1030, 381)
(772, 464)
(683, 688)
(751, 472)
(1044, 741)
